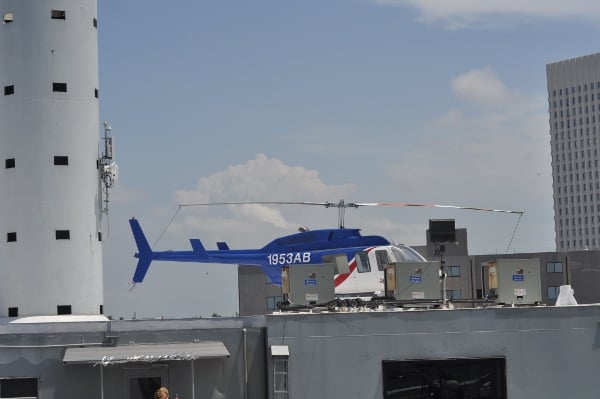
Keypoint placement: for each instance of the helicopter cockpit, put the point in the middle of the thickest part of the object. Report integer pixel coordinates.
(367, 279)
(384, 255)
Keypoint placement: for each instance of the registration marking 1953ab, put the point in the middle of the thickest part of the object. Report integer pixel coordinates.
(289, 258)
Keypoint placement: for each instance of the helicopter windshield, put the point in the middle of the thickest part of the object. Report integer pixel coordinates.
(406, 254)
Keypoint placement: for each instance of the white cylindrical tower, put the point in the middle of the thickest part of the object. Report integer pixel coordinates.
(50, 245)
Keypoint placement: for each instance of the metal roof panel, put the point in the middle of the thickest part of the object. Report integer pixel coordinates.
(146, 353)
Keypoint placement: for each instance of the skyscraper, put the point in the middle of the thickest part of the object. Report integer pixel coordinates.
(574, 106)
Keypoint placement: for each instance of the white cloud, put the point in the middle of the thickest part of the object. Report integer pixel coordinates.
(481, 86)
(262, 179)
(259, 179)
(491, 151)
(502, 123)
(458, 14)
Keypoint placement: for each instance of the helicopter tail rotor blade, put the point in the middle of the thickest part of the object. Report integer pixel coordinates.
(144, 254)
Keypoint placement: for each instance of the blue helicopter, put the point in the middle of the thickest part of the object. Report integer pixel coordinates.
(365, 257)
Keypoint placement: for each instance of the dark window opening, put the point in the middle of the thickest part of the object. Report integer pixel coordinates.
(8, 17)
(99, 236)
(63, 234)
(59, 87)
(95, 23)
(382, 259)
(144, 387)
(96, 93)
(61, 160)
(9, 90)
(11, 237)
(63, 309)
(13, 312)
(19, 388)
(9, 163)
(447, 378)
(101, 309)
(362, 262)
(58, 14)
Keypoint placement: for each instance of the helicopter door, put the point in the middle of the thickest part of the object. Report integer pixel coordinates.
(352, 283)
(371, 279)
(362, 262)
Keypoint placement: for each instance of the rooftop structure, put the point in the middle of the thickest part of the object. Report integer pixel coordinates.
(50, 207)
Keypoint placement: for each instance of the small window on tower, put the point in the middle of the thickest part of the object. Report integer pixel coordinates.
(58, 14)
(9, 163)
(59, 87)
(96, 93)
(63, 309)
(8, 17)
(61, 160)
(9, 90)
(13, 312)
(99, 236)
(11, 237)
(63, 234)
(95, 23)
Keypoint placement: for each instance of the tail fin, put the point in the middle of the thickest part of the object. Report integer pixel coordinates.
(274, 273)
(222, 246)
(198, 248)
(144, 253)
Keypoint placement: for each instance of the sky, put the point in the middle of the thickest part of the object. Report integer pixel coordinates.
(427, 101)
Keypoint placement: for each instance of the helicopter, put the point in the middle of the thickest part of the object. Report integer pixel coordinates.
(360, 260)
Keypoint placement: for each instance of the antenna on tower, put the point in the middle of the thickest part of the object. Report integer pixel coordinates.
(108, 169)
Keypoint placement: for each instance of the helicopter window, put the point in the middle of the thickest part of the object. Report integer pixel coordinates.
(382, 259)
(405, 254)
(362, 262)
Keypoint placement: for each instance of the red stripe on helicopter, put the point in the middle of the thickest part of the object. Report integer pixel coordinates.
(340, 278)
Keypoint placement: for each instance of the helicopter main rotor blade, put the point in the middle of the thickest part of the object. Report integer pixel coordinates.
(409, 204)
(343, 204)
(326, 204)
